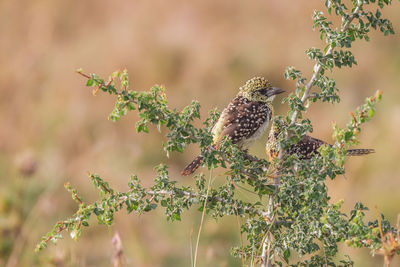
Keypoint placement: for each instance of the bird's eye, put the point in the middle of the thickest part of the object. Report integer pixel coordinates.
(263, 91)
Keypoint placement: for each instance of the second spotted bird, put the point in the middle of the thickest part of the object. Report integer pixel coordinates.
(306, 148)
(245, 119)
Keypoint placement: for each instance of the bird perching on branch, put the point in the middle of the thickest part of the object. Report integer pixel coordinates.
(245, 119)
(306, 148)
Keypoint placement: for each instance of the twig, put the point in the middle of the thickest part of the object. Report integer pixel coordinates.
(105, 188)
(317, 70)
(62, 228)
(318, 67)
(202, 219)
(240, 233)
(190, 194)
(269, 251)
(241, 170)
(379, 224)
(267, 241)
(83, 74)
(152, 194)
(191, 247)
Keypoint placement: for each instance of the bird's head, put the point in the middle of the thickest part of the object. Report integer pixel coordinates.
(259, 89)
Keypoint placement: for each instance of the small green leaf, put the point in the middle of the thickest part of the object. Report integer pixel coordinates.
(286, 255)
(371, 113)
(89, 82)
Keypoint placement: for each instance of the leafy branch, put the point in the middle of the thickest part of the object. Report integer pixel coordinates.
(293, 222)
(164, 193)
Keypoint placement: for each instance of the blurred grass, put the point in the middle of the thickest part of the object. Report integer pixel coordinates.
(54, 130)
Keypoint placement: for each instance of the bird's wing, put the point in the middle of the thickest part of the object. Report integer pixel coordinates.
(242, 118)
(306, 147)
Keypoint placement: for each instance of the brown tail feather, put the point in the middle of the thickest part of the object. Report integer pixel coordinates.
(359, 152)
(192, 167)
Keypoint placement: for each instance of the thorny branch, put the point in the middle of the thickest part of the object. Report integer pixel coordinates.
(290, 201)
(318, 67)
(317, 70)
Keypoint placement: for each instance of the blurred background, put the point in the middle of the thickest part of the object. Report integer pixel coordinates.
(53, 129)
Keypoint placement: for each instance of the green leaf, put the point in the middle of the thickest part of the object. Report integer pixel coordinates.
(286, 255)
(89, 82)
(371, 113)
(176, 216)
(348, 135)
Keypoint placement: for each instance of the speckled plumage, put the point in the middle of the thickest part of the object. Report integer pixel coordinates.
(245, 119)
(306, 148)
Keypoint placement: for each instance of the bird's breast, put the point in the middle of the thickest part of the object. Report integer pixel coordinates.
(245, 143)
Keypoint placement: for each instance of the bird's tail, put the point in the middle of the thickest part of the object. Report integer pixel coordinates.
(192, 167)
(359, 152)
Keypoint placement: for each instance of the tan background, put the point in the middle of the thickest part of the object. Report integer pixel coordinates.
(200, 50)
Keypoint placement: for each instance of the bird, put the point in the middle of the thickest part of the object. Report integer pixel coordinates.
(245, 119)
(306, 148)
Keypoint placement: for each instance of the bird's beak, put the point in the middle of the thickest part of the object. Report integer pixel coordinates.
(274, 91)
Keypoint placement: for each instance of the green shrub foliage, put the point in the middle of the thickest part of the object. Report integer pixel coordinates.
(293, 222)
